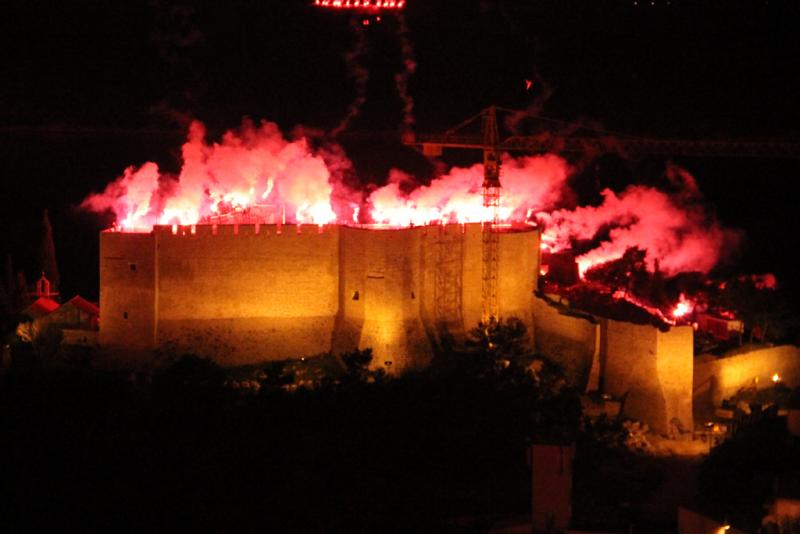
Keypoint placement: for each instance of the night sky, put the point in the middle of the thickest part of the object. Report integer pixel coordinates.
(89, 87)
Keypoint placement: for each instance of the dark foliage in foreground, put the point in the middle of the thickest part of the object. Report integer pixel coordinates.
(740, 477)
(179, 449)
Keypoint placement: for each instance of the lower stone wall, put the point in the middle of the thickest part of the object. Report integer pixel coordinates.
(650, 368)
(239, 341)
(397, 345)
(127, 290)
(571, 340)
(79, 338)
(674, 365)
(717, 378)
(652, 371)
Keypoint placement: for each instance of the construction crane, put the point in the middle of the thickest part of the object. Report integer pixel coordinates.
(492, 145)
(599, 142)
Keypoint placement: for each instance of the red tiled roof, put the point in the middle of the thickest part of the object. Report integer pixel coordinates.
(84, 305)
(42, 306)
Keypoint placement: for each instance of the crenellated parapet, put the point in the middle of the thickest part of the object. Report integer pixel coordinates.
(224, 230)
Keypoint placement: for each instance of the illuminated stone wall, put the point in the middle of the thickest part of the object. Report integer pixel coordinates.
(569, 339)
(127, 290)
(517, 275)
(243, 296)
(674, 363)
(472, 274)
(652, 369)
(247, 293)
(381, 294)
(717, 378)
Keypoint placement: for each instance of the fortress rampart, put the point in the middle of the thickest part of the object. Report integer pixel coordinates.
(718, 378)
(652, 370)
(648, 367)
(572, 339)
(244, 294)
(249, 293)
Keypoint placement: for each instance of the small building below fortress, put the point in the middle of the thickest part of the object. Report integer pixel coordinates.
(245, 294)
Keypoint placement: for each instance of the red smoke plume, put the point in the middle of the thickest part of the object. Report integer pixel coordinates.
(682, 237)
(360, 76)
(401, 78)
(252, 168)
(530, 184)
(255, 171)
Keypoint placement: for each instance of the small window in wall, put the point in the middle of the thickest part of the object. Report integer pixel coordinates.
(355, 295)
(133, 267)
(124, 315)
(413, 296)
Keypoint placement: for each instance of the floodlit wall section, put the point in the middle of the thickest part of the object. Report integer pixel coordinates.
(127, 290)
(517, 275)
(381, 295)
(571, 340)
(718, 378)
(243, 295)
(674, 363)
(653, 370)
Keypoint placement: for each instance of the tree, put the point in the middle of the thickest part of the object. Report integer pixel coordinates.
(10, 280)
(357, 362)
(190, 374)
(498, 343)
(626, 274)
(47, 253)
(21, 298)
(5, 301)
(763, 309)
(17, 295)
(357, 367)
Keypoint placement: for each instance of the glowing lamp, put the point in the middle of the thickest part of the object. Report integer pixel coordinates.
(776, 378)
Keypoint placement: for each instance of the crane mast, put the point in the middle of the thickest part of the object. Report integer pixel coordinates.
(491, 205)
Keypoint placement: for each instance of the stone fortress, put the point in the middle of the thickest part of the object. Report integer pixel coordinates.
(246, 293)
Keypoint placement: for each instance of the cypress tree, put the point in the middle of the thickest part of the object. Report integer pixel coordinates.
(21, 297)
(11, 285)
(5, 300)
(11, 279)
(47, 253)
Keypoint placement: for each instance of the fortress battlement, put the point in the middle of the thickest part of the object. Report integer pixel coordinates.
(251, 229)
(273, 229)
(246, 293)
